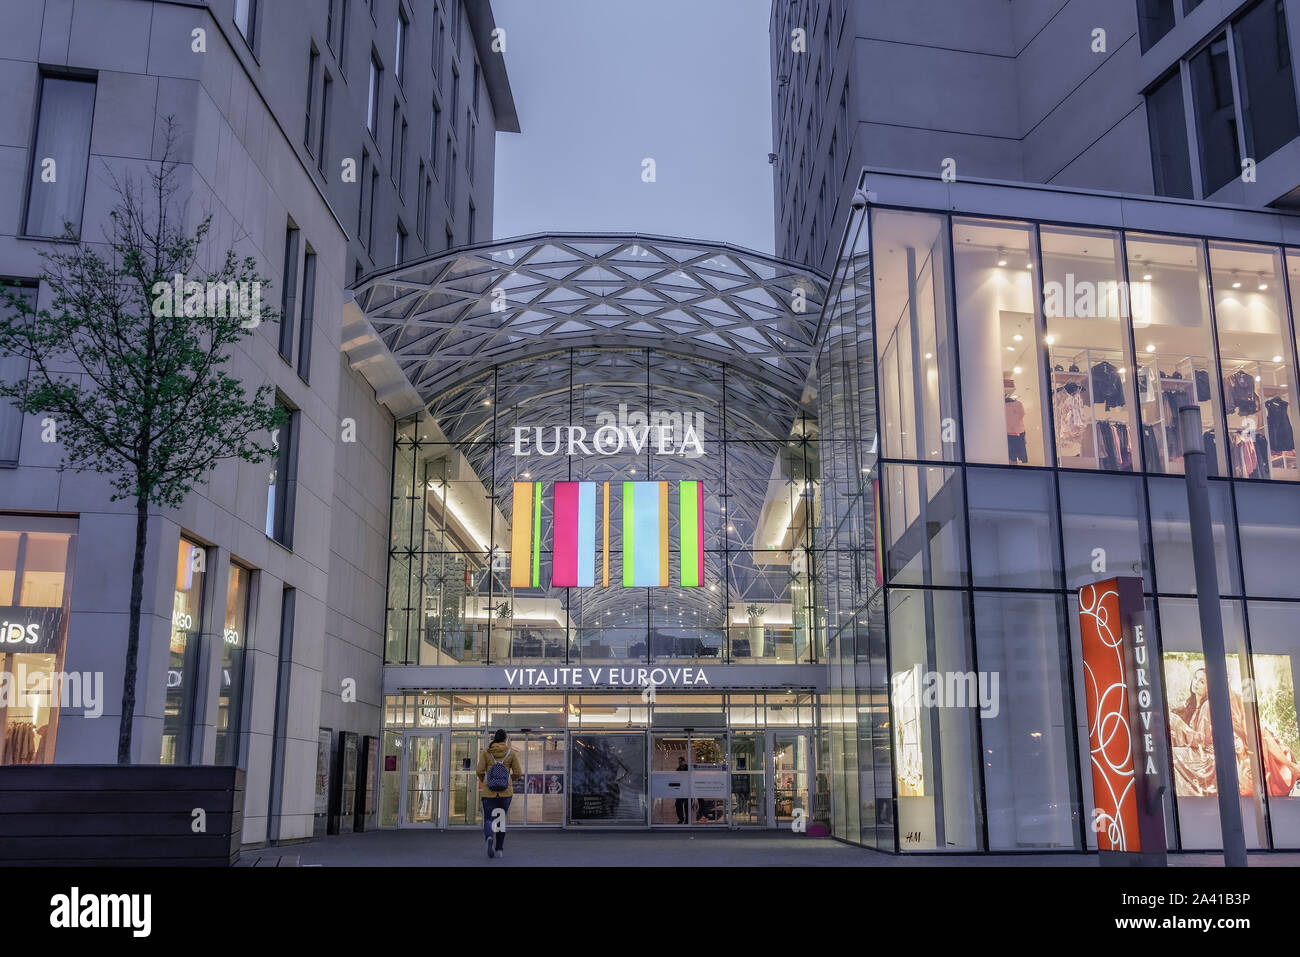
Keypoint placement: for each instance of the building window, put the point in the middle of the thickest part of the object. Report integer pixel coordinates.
(326, 94)
(1155, 19)
(281, 478)
(477, 82)
(469, 225)
(370, 207)
(234, 641)
(13, 369)
(308, 312)
(433, 135)
(372, 99)
(394, 159)
(343, 36)
(313, 63)
(1268, 101)
(428, 205)
(288, 294)
(246, 20)
(399, 56)
(36, 559)
(401, 162)
(469, 145)
(421, 201)
(363, 206)
(399, 245)
(449, 184)
(455, 91)
(1216, 116)
(57, 186)
(460, 21)
(183, 651)
(1171, 163)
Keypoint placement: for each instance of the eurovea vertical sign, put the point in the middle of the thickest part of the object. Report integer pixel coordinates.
(1125, 723)
(580, 538)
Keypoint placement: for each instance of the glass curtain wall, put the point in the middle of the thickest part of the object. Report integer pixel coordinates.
(1072, 350)
(605, 505)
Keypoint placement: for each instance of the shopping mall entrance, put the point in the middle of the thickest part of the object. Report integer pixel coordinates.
(662, 776)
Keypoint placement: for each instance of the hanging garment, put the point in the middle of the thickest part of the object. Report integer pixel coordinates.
(1279, 425)
(1202, 386)
(1107, 386)
(1017, 451)
(1071, 422)
(1151, 444)
(20, 743)
(1015, 417)
(1211, 453)
(1261, 456)
(1242, 398)
(1173, 400)
(1247, 462)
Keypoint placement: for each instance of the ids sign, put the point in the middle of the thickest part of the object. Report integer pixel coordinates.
(1125, 723)
(34, 630)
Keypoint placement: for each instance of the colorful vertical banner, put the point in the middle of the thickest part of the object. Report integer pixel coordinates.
(605, 543)
(645, 534)
(690, 518)
(526, 536)
(573, 561)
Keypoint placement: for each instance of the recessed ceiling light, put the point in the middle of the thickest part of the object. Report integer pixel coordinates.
(1277, 358)
(1011, 348)
(1017, 370)
(1263, 286)
(1122, 371)
(1018, 337)
(1151, 347)
(1237, 284)
(1050, 339)
(1002, 262)
(1029, 265)
(929, 355)
(1257, 378)
(1146, 277)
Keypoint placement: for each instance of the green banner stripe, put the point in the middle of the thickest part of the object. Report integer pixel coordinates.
(688, 532)
(627, 535)
(537, 535)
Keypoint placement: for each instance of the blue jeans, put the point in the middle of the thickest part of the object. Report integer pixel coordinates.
(490, 805)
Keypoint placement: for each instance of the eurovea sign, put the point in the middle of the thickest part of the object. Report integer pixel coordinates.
(663, 432)
(605, 677)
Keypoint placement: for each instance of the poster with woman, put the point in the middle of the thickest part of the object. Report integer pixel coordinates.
(1273, 691)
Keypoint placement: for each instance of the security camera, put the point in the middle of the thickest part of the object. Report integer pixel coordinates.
(859, 200)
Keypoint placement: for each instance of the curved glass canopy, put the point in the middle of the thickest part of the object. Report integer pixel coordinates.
(450, 317)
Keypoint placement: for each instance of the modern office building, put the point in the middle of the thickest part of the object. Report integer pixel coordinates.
(1164, 97)
(324, 139)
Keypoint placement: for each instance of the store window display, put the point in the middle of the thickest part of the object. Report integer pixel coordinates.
(1175, 347)
(1000, 342)
(914, 339)
(1086, 304)
(1255, 354)
(35, 584)
(182, 659)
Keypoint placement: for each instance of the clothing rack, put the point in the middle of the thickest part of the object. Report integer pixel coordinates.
(1164, 421)
(1084, 359)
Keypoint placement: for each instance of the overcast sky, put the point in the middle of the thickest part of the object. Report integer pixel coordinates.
(602, 84)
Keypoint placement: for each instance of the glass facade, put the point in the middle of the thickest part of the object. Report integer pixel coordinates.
(964, 625)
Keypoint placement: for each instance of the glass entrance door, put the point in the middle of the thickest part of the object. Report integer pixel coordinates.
(539, 795)
(607, 779)
(690, 780)
(791, 772)
(424, 779)
(462, 797)
(749, 779)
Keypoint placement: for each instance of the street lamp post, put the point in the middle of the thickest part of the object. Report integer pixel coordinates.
(1216, 663)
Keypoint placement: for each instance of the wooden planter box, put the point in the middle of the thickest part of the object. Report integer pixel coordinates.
(95, 814)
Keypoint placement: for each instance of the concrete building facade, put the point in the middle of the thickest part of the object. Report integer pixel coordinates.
(264, 595)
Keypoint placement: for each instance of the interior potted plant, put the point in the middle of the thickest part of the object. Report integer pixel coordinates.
(756, 613)
(501, 631)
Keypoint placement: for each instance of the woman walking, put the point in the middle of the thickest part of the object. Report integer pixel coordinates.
(498, 769)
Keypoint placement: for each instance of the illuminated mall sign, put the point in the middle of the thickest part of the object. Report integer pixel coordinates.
(1125, 722)
(663, 432)
(30, 629)
(604, 678)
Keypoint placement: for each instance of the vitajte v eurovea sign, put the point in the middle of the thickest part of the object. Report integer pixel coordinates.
(1125, 723)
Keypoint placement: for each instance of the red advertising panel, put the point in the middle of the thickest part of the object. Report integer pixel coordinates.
(1110, 738)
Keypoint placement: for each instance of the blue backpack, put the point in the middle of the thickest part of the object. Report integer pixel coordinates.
(498, 775)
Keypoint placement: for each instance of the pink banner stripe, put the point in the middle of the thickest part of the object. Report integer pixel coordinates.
(699, 523)
(564, 556)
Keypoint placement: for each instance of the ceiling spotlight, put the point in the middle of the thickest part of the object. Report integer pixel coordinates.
(1017, 370)
(1257, 379)
(1237, 284)
(1146, 277)
(1017, 337)
(1122, 371)
(1029, 265)
(1049, 339)
(528, 475)
(1277, 358)
(929, 355)
(1011, 348)
(1263, 286)
(1002, 261)
(1151, 347)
